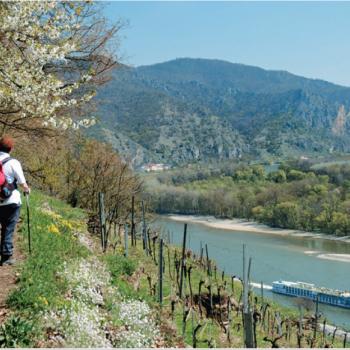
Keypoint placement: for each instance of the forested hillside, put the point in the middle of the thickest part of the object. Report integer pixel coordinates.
(189, 110)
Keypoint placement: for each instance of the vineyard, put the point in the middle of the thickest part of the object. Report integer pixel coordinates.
(133, 288)
(210, 309)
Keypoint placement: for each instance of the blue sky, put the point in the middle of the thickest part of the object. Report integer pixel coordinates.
(306, 38)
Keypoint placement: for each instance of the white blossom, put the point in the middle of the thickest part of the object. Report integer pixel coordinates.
(35, 35)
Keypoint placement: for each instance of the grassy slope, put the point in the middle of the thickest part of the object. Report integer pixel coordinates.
(65, 296)
(210, 333)
(52, 244)
(43, 290)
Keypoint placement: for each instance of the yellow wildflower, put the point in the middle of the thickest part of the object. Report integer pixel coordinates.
(53, 229)
(43, 300)
(66, 224)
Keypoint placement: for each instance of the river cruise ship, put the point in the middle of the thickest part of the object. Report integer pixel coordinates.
(310, 291)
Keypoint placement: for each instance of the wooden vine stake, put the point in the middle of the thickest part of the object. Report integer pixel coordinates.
(208, 261)
(102, 216)
(160, 291)
(247, 315)
(133, 240)
(126, 253)
(149, 242)
(144, 230)
(183, 260)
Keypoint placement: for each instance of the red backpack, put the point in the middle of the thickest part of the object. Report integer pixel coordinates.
(6, 189)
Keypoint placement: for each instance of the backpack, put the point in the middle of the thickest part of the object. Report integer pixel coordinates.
(6, 189)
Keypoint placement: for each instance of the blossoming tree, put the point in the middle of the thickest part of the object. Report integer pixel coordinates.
(52, 56)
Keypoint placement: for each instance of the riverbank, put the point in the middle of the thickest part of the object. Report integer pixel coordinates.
(274, 257)
(251, 226)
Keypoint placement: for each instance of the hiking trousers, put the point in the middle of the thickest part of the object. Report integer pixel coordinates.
(9, 215)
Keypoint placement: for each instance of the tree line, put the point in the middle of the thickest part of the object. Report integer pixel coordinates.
(290, 197)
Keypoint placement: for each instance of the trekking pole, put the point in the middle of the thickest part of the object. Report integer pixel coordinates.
(28, 222)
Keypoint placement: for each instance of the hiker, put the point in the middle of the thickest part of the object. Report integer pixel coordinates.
(11, 175)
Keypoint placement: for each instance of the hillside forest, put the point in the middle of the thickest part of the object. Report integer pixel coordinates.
(294, 195)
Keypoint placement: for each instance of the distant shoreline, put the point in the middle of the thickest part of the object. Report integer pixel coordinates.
(251, 226)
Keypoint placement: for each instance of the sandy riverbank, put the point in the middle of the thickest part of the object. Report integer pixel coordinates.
(250, 226)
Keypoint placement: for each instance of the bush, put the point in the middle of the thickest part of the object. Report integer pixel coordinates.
(17, 332)
(120, 265)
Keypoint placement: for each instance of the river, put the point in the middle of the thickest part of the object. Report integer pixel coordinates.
(274, 257)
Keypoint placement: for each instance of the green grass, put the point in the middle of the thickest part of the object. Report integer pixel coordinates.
(210, 329)
(39, 285)
(41, 288)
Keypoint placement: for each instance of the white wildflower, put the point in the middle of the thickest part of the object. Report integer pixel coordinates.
(80, 325)
(140, 328)
(87, 278)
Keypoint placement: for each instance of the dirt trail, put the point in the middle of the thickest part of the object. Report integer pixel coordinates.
(8, 277)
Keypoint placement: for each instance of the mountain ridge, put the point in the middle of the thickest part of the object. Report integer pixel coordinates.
(187, 110)
(244, 65)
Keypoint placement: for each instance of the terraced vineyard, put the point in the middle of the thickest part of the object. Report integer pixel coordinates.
(69, 293)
